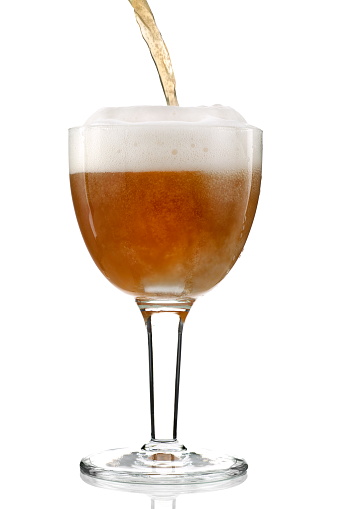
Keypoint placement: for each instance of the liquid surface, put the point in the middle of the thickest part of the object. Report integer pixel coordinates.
(157, 47)
(163, 234)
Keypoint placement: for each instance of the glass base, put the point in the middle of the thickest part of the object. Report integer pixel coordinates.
(161, 464)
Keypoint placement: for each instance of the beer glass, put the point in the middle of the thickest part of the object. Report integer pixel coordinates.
(165, 208)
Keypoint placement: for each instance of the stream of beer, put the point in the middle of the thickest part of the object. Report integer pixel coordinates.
(157, 47)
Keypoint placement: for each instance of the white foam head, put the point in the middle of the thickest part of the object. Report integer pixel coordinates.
(202, 115)
(146, 138)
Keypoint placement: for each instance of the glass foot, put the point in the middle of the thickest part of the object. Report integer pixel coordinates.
(168, 463)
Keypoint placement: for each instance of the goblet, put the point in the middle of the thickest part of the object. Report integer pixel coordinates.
(165, 198)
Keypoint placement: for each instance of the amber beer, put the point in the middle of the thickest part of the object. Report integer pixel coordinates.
(165, 215)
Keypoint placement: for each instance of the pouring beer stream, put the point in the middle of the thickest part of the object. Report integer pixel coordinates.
(158, 49)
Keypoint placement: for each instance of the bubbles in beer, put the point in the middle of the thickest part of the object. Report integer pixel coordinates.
(165, 234)
(158, 49)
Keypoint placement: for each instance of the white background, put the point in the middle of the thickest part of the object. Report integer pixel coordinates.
(260, 362)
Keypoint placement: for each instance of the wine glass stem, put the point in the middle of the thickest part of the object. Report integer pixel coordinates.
(164, 324)
(161, 375)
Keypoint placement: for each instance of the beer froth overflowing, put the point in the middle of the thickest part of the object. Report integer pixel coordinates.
(183, 139)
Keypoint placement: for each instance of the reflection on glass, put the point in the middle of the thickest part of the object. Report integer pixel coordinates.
(164, 496)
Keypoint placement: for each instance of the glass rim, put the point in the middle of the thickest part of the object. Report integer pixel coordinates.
(176, 125)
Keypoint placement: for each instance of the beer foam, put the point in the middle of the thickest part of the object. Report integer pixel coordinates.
(149, 138)
(210, 115)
